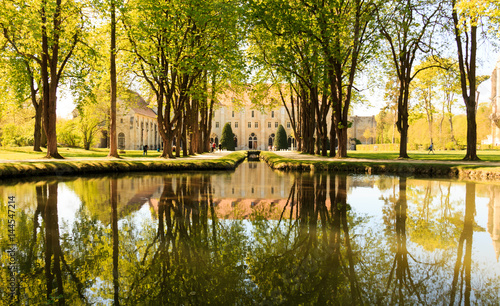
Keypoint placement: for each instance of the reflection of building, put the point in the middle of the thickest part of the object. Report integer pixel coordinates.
(494, 138)
(494, 219)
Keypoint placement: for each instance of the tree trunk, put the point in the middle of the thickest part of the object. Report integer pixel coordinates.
(49, 83)
(113, 146)
(38, 127)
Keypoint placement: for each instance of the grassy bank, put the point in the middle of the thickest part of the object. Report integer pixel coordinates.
(77, 167)
(435, 168)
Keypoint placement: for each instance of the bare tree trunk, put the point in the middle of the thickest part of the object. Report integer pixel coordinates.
(113, 146)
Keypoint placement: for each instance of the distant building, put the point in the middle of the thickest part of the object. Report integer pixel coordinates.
(136, 125)
(253, 128)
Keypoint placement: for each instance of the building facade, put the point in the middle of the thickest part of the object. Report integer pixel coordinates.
(254, 129)
(137, 125)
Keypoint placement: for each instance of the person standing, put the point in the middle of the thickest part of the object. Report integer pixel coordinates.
(145, 150)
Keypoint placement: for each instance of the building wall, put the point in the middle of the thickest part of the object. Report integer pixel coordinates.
(360, 124)
(136, 130)
(249, 123)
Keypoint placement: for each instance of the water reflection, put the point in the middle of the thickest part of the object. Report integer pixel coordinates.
(296, 239)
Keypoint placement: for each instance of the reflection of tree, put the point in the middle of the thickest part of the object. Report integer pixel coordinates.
(52, 247)
(114, 228)
(400, 286)
(310, 260)
(462, 269)
(185, 263)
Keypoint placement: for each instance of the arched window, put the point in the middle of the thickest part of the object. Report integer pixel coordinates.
(271, 141)
(235, 142)
(252, 142)
(121, 141)
(291, 141)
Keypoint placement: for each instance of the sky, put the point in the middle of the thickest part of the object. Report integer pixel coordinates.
(488, 57)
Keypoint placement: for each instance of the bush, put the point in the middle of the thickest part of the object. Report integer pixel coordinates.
(67, 133)
(227, 139)
(16, 135)
(280, 142)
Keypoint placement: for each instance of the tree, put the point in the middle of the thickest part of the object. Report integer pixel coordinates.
(113, 141)
(424, 88)
(227, 138)
(466, 20)
(281, 141)
(47, 33)
(407, 26)
(91, 120)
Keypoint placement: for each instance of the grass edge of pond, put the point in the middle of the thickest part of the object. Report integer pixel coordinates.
(64, 167)
(436, 169)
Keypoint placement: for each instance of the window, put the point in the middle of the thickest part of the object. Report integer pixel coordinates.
(288, 125)
(269, 124)
(249, 124)
(256, 124)
(272, 114)
(276, 124)
(121, 141)
(216, 124)
(233, 114)
(236, 124)
(121, 120)
(253, 114)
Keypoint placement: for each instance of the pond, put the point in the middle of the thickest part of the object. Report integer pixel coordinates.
(252, 236)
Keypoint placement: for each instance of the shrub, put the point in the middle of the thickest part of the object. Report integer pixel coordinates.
(280, 142)
(17, 135)
(227, 139)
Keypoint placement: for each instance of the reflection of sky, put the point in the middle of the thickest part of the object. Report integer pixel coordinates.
(68, 204)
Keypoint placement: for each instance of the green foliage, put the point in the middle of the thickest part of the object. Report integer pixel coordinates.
(281, 141)
(68, 133)
(227, 138)
(15, 135)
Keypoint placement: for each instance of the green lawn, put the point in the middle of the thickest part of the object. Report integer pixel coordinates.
(485, 155)
(24, 153)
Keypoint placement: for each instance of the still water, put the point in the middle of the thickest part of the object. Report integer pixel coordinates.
(253, 236)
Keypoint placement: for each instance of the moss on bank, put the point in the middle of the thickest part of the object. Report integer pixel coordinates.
(64, 167)
(430, 169)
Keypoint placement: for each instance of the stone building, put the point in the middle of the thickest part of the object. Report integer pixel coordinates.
(137, 125)
(253, 128)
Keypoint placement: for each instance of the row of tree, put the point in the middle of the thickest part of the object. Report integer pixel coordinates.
(184, 52)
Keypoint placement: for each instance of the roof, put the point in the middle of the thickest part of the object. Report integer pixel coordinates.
(139, 105)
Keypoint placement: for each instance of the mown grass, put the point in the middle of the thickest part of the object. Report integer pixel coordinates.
(104, 165)
(25, 153)
(439, 168)
(484, 155)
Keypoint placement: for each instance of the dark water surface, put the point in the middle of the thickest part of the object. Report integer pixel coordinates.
(254, 236)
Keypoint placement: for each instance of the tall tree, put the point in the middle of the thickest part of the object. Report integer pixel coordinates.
(51, 31)
(113, 141)
(465, 33)
(407, 26)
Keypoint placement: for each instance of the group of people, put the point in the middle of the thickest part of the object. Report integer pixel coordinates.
(213, 146)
